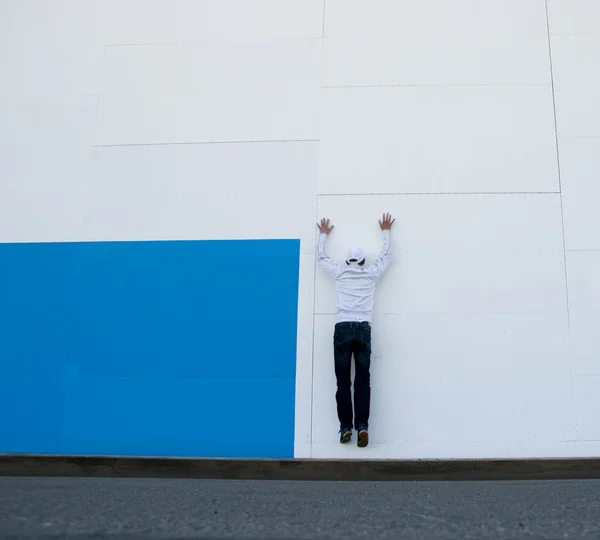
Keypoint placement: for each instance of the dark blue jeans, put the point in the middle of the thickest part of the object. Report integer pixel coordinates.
(353, 338)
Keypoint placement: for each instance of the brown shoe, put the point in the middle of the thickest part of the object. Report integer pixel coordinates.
(363, 438)
(345, 435)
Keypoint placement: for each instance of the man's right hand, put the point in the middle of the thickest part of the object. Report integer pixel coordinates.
(324, 226)
(387, 222)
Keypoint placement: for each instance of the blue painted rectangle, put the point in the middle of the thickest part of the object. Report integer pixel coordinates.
(182, 348)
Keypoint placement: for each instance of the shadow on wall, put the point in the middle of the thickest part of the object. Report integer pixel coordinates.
(149, 348)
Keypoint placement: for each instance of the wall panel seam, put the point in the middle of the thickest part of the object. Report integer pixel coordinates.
(181, 143)
(562, 217)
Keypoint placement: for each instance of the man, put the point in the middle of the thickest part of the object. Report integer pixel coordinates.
(355, 289)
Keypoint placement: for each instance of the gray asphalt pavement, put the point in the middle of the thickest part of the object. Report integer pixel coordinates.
(135, 508)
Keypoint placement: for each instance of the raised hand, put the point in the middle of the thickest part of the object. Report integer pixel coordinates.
(324, 226)
(387, 222)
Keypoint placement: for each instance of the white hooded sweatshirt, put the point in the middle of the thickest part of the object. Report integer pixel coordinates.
(355, 285)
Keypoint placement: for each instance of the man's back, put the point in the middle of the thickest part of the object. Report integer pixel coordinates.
(355, 290)
(354, 284)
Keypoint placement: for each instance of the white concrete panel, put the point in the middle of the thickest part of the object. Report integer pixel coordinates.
(477, 389)
(218, 218)
(247, 20)
(585, 449)
(306, 302)
(45, 147)
(438, 140)
(25, 22)
(583, 271)
(445, 222)
(391, 42)
(41, 221)
(411, 346)
(356, 19)
(455, 254)
(574, 17)
(45, 48)
(577, 85)
(110, 22)
(276, 171)
(91, 22)
(580, 165)
(50, 69)
(264, 190)
(304, 357)
(303, 419)
(184, 93)
(586, 404)
(585, 365)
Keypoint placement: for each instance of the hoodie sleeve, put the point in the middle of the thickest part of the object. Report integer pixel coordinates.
(384, 258)
(324, 261)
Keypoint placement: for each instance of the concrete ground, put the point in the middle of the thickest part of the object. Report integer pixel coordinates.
(128, 508)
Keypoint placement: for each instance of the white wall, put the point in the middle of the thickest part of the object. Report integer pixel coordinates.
(475, 122)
